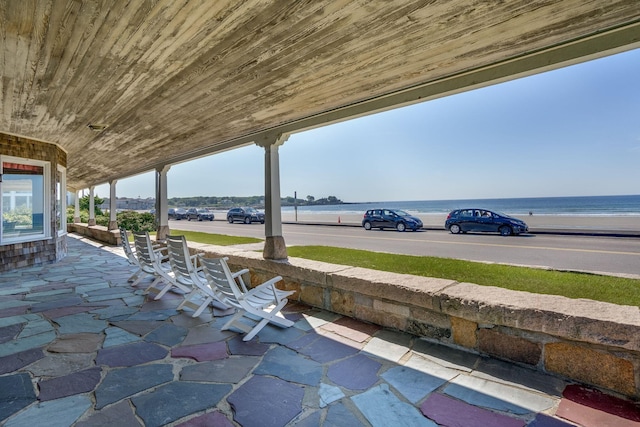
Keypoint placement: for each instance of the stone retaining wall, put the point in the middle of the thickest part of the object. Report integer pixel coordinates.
(587, 341)
(97, 232)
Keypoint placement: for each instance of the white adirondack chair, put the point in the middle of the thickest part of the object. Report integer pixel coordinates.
(186, 272)
(131, 256)
(262, 303)
(151, 263)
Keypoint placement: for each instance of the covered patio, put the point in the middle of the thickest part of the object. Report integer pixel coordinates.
(94, 92)
(79, 346)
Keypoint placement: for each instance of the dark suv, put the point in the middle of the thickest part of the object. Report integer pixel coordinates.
(390, 218)
(246, 215)
(482, 220)
(177, 213)
(199, 214)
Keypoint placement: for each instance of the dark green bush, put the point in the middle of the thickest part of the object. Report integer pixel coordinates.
(136, 221)
(131, 220)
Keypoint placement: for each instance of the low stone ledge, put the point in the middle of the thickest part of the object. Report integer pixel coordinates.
(580, 362)
(97, 232)
(497, 343)
(400, 288)
(575, 319)
(465, 332)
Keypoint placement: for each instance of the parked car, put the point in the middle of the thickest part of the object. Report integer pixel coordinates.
(390, 218)
(483, 220)
(200, 214)
(246, 215)
(177, 214)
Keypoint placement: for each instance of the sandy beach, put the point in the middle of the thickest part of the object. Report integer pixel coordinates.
(611, 223)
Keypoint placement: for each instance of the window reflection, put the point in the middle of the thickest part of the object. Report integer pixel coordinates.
(22, 199)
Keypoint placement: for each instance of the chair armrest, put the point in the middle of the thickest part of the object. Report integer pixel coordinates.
(271, 285)
(237, 276)
(162, 254)
(239, 273)
(194, 261)
(161, 251)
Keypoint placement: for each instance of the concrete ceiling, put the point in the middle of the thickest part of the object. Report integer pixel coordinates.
(177, 79)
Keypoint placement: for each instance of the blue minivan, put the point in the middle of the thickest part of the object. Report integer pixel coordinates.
(482, 220)
(390, 218)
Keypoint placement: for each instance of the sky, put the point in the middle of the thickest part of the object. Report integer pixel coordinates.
(574, 131)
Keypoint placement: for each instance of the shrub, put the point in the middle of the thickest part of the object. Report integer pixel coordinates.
(136, 221)
(131, 220)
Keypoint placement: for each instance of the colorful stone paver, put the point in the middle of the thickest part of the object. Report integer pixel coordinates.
(80, 347)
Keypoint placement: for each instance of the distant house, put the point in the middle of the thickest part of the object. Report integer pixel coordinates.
(130, 204)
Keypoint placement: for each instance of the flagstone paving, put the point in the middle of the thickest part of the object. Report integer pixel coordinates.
(79, 346)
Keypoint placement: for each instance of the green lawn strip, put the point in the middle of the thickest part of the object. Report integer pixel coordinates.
(615, 290)
(214, 239)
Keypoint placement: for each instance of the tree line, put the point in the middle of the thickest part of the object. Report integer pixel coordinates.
(253, 201)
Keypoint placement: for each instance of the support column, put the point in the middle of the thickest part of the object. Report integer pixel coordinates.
(76, 209)
(274, 246)
(162, 205)
(113, 223)
(92, 204)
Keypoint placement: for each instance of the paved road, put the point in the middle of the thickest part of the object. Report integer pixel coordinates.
(612, 255)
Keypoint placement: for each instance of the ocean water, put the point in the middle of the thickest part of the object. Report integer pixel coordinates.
(582, 206)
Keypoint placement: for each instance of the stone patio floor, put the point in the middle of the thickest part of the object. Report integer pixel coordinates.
(79, 346)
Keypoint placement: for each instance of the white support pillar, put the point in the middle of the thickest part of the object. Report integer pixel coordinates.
(76, 209)
(162, 205)
(113, 222)
(92, 204)
(274, 246)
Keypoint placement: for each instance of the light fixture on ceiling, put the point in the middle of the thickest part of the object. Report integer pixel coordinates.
(96, 127)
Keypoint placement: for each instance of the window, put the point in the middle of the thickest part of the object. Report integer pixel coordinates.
(24, 199)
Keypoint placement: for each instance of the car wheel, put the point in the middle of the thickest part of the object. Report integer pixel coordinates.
(454, 228)
(505, 230)
(199, 218)
(247, 220)
(401, 226)
(367, 225)
(230, 219)
(261, 222)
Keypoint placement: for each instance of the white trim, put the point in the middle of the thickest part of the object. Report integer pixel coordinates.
(61, 194)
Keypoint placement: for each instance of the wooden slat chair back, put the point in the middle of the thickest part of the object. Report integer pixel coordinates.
(151, 262)
(264, 302)
(186, 272)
